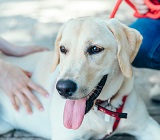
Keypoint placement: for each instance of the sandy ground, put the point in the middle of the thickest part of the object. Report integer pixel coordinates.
(26, 22)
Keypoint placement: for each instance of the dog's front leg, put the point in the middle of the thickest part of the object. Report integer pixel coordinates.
(5, 127)
(59, 132)
(150, 130)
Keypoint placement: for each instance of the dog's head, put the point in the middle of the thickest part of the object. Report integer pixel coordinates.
(90, 52)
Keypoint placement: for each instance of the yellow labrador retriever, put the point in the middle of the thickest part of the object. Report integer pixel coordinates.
(91, 84)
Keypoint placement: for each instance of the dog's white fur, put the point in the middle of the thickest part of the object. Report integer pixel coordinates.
(120, 44)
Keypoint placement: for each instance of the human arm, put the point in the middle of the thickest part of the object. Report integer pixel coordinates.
(14, 50)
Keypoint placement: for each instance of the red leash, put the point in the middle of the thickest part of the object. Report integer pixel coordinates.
(115, 9)
(154, 9)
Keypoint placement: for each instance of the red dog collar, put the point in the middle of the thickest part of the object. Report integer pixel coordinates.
(117, 114)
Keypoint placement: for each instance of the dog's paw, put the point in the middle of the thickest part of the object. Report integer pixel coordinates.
(116, 103)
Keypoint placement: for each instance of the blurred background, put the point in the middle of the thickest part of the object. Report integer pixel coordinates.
(28, 22)
(37, 21)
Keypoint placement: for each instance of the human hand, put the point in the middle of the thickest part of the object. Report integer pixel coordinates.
(17, 85)
(140, 5)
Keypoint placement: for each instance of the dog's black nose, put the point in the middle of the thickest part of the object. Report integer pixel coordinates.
(66, 88)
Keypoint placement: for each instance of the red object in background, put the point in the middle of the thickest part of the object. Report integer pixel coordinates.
(153, 5)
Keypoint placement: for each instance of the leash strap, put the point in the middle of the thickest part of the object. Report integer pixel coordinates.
(153, 5)
(115, 9)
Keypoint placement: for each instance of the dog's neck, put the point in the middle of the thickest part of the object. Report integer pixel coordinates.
(124, 90)
(116, 88)
(126, 87)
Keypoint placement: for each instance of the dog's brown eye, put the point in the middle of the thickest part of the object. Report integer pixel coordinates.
(94, 50)
(63, 49)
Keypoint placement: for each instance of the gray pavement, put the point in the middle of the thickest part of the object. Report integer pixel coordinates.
(26, 22)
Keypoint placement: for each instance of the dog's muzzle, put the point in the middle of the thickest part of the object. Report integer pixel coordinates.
(66, 88)
(75, 109)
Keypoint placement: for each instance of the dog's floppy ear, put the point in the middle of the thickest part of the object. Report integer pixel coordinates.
(56, 50)
(129, 41)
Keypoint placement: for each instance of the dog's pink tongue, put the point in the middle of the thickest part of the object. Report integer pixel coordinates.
(74, 112)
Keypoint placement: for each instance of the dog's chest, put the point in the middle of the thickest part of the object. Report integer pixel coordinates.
(96, 125)
(93, 126)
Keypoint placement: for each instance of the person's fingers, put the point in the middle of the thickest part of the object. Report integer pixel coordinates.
(138, 2)
(13, 102)
(142, 7)
(32, 98)
(37, 88)
(29, 74)
(25, 102)
(143, 11)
